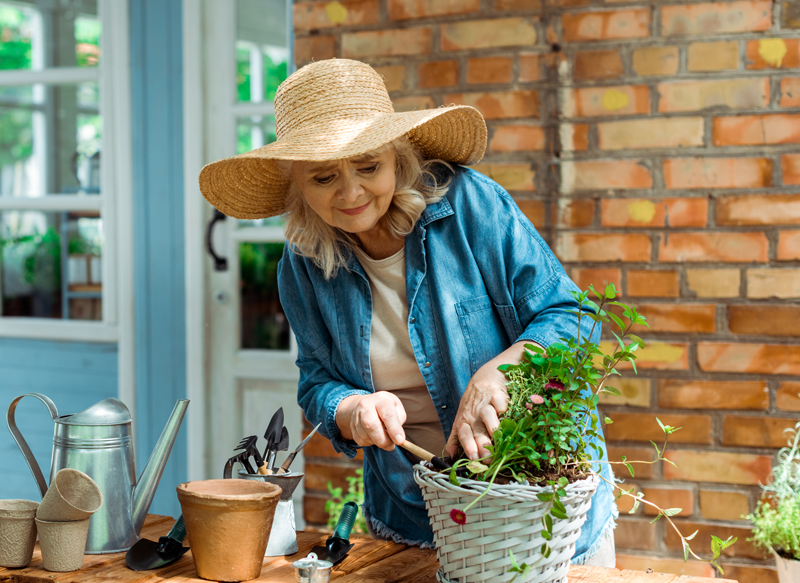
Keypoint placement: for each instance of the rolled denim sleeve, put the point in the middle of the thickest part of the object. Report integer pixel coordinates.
(319, 390)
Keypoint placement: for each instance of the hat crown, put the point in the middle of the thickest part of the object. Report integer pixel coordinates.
(328, 90)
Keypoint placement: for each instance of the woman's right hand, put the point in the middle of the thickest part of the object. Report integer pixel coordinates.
(375, 419)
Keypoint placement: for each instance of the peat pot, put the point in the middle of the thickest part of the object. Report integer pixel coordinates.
(17, 532)
(228, 524)
(788, 569)
(62, 544)
(508, 518)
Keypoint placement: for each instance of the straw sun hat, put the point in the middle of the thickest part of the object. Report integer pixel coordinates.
(330, 110)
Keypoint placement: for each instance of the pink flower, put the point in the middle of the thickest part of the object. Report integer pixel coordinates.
(528, 405)
(458, 516)
(537, 399)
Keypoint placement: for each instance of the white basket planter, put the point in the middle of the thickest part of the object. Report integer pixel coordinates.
(509, 517)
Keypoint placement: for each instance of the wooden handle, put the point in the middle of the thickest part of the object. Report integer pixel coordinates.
(264, 470)
(417, 451)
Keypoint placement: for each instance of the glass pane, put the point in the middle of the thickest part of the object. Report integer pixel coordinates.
(262, 48)
(50, 34)
(264, 323)
(50, 140)
(270, 222)
(51, 265)
(253, 132)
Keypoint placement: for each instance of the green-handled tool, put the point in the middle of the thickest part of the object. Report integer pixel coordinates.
(147, 554)
(338, 544)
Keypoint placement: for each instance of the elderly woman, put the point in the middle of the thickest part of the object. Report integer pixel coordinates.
(406, 277)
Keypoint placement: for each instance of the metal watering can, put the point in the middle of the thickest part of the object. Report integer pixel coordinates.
(98, 442)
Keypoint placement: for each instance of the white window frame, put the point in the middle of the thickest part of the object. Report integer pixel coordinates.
(114, 201)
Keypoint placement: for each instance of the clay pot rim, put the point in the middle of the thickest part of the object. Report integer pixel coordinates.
(268, 491)
(92, 484)
(18, 513)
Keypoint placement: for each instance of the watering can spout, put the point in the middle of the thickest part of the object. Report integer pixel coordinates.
(147, 485)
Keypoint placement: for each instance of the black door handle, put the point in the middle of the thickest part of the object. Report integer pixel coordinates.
(220, 263)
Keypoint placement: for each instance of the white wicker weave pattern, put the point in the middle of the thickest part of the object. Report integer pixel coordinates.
(509, 517)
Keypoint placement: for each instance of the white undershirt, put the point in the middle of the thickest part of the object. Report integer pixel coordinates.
(394, 367)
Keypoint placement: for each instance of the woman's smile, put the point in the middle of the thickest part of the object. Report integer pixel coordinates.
(355, 211)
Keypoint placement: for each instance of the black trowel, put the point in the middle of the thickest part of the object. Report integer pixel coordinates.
(147, 554)
(338, 544)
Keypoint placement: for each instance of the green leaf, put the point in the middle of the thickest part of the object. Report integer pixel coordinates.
(607, 421)
(453, 478)
(548, 522)
(658, 451)
(546, 535)
(617, 320)
(611, 291)
(656, 518)
(545, 496)
(612, 391)
(685, 551)
(558, 505)
(672, 511)
(558, 514)
(630, 469)
(562, 481)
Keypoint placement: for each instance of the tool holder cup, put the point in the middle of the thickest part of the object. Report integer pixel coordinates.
(283, 537)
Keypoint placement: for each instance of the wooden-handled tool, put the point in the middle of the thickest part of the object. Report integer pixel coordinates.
(435, 461)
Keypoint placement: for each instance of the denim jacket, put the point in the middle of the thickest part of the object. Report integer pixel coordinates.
(478, 279)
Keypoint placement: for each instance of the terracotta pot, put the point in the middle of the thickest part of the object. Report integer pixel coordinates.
(228, 524)
(17, 532)
(788, 569)
(71, 496)
(62, 544)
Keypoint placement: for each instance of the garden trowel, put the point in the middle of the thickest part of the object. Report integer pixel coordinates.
(147, 554)
(338, 544)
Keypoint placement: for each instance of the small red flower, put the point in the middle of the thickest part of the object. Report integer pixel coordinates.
(554, 385)
(458, 516)
(537, 399)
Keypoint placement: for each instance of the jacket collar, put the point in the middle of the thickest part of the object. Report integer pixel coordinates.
(436, 211)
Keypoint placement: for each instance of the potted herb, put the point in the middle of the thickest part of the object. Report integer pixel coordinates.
(776, 518)
(518, 512)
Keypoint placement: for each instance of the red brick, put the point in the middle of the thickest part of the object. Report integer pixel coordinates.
(318, 476)
(695, 394)
(574, 213)
(602, 247)
(773, 283)
(750, 574)
(714, 247)
(599, 277)
(773, 53)
(758, 319)
(405, 9)
(650, 564)
(716, 56)
(314, 509)
(756, 130)
(790, 92)
(416, 102)
(533, 209)
(642, 212)
(655, 61)
(605, 64)
(599, 101)
(651, 133)
(679, 96)
(635, 392)
(772, 359)
(742, 548)
(517, 138)
(656, 355)
(509, 176)
(759, 209)
(607, 25)
(484, 34)
(489, 70)
(685, 318)
(499, 104)
(635, 534)
(394, 76)
(518, 5)
(718, 467)
(787, 398)
(644, 427)
(529, 68)
(314, 48)
(574, 137)
(386, 43)
(788, 245)
(437, 74)
(625, 502)
(643, 471)
(651, 283)
(666, 498)
(604, 175)
(717, 172)
(723, 505)
(750, 431)
(314, 15)
(714, 283)
(716, 17)
(790, 166)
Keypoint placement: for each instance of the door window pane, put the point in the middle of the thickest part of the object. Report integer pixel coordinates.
(253, 132)
(263, 321)
(262, 48)
(50, 265)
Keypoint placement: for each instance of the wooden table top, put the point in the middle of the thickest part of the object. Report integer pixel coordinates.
(369, 561)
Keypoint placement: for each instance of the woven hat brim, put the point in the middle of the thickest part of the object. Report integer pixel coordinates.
(251, 186)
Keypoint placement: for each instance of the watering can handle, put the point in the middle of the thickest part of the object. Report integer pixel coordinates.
(23, 445)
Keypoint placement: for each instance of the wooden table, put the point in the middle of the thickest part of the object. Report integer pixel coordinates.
(370, 561)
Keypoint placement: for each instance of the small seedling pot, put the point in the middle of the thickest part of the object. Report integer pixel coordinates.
(228, 524)
(17, 532)
(72, 496)
(788, 569)
(62, 544)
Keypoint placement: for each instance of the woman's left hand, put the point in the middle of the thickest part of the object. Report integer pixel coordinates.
(484, 400)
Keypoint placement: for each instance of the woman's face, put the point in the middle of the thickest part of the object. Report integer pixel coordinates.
(351, 194)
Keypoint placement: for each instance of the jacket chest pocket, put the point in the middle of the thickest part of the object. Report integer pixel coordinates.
(488, 329)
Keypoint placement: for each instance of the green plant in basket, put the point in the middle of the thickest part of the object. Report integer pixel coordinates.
(550, 434)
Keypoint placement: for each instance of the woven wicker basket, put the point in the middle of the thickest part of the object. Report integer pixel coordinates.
(509, 517)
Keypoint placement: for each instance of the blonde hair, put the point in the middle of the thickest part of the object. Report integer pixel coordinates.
(329, 247)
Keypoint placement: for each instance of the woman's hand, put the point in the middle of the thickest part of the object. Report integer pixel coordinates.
(375, 419)
(485, 398)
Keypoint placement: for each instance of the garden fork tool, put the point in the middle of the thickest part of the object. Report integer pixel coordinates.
(250, 446)
(227, 473)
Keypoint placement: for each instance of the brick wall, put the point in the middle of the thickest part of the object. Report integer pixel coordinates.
(653, 144)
